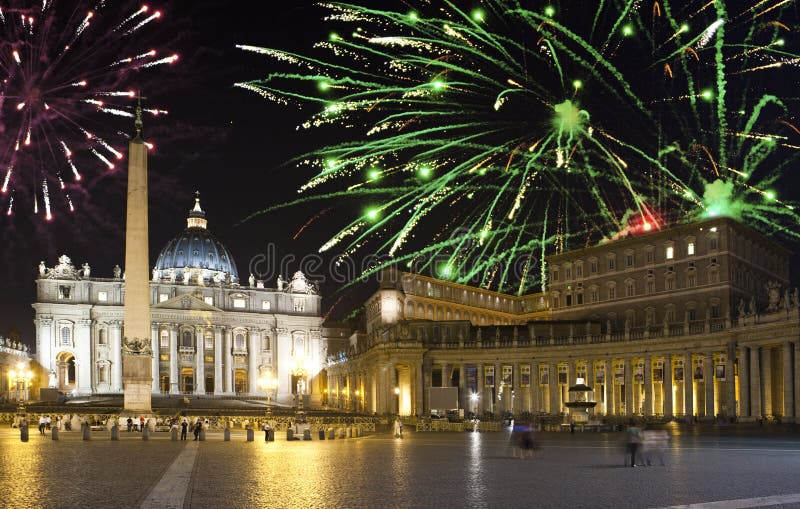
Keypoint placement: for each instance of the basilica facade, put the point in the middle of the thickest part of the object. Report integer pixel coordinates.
(211, 334)
(696, 321)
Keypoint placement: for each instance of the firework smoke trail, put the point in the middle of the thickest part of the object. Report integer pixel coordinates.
(488, 132)
(60, 79)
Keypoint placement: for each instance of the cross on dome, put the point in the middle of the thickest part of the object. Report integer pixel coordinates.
(197, 216)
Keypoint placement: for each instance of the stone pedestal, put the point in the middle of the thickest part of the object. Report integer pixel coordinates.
(137, 383)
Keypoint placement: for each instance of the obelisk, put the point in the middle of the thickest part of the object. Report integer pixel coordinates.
(137, 354)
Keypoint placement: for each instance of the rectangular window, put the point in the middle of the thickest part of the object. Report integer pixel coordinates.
(209, 300)
(579, 270)
(64, 292)
(567, 273)
(712, 244)
(629, 290)
(266, 305)
(612, 263)
(593, 295)
(669, 284)
(649, 256)
(164, 357)
(102, 296)
(691, 280)
(670, 254)
(555, 275)
(690, 248)
(239, 303)
(692, 314)
(629, 260)
(594, 267)
(612, 292)
(579, 298)
(651, 287)
(163, 297)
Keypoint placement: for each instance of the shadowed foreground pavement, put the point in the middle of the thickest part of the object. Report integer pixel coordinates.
(421, 470)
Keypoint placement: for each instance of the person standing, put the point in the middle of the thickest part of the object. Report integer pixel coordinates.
(41, 425)
(266, 432)
(141, 424)
(634, 440)
(197, 427)
(184, 429)
(130, 424)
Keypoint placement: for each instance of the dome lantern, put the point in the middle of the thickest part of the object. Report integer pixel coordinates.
(197, 216)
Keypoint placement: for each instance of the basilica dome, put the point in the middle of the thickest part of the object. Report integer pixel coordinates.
(196, 255)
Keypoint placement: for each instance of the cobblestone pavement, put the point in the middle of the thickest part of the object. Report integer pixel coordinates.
(421, 470)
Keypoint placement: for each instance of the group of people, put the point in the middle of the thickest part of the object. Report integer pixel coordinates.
(44, 424)
(197, 426)
(644, 447)
(136, 424)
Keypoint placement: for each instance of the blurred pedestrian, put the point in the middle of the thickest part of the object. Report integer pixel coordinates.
(197, 428)
(184, 429)
(633, 441)
(654, 446)
(398, 428)
(130, 424)
(41, 425)
(141, 423)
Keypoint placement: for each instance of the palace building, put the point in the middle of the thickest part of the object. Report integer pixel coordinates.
(211, 335)
(696, 320)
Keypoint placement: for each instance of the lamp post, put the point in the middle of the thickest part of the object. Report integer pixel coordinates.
(269, 384)
(21, 378)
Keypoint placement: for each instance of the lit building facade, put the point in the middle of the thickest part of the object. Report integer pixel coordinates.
(210, 335)
(692, 321)
(14, 361)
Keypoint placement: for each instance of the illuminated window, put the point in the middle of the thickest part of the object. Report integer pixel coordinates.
(163, 297)
(267, 305)
(164, 341)
(690, 248)
(209, 341)
(102, 296)
(670, 252)
(209, 300)
(239, 303)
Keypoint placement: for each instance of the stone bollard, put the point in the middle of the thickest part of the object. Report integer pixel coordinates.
(173, 434)
(251, 434)
(23, 431)
(115, 432)
(54, 432)
(87, 431)
(145, 433)
(227, 435)
(289, 434)
(202, 437)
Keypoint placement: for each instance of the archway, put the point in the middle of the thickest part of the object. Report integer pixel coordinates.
(65, 362)
(187, 380)
(240, 381)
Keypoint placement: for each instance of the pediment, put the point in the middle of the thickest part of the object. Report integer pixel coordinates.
(187, 302)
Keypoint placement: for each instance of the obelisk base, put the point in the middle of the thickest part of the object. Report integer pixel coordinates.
(137, 383)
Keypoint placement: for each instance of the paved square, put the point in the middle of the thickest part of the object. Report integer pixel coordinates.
(421, 470)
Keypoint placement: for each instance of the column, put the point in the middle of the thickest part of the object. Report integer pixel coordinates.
(199, 362)
(83, 346)
(666, 386)
(688, 388)
(115, 347)
(174, 381)
(647, 405)
(218, 361)
(253, 349)
(628, 386)
(744, 382)
(766, 381)
(445, 376)
(755, 382)
(516, 402)
(796, 381)
(481, 406)
(788, 386)
(708, 377)
(228, 376)
(463, 400)
(156, 357)
(609, 382)
(535, 387)
(555, 397)
(500, 404)
(419, 388)
(729, 408)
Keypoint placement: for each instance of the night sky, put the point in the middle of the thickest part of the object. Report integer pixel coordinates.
(228, 144)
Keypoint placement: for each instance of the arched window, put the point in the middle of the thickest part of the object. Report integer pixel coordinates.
(238, 342)
(209, 341)
(186, 339)
(101, 337)
(165, 339)
(66, 336)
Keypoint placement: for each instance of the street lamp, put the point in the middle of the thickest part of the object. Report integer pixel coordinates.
(269, 384)
(21, 378)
